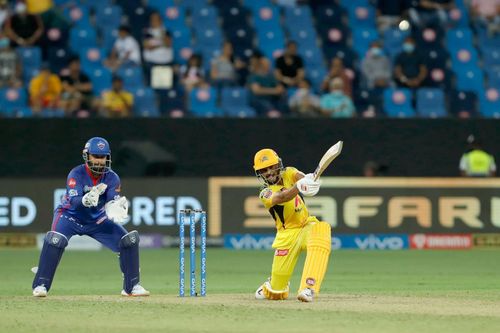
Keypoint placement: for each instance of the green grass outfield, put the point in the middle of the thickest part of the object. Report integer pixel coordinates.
(402, 291)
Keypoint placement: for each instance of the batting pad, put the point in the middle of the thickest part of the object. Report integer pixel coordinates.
(319, 246)
(54, 244)
(129, 260)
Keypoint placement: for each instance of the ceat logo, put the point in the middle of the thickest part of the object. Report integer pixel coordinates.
(72, 182)
(101, 145)
(310, 281)
(281, 253)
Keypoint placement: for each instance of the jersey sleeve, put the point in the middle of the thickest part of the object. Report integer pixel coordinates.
(114, 187)
(74, 190)
(289, 174)
(266, 196)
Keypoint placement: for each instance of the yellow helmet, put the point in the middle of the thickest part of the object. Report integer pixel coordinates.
(265, 158)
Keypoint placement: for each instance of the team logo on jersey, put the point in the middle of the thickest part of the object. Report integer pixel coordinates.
(72, 182)
(281, 253)
(101, 145)
(267, 193)
(310, 281)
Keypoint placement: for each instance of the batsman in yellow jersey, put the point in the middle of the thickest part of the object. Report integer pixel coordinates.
(297, 231)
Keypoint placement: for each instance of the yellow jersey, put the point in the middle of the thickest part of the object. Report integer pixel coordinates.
(292, 214)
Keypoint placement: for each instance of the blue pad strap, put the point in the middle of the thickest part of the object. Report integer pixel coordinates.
(52, 251)
(129, 260)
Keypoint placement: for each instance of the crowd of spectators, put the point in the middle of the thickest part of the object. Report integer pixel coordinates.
(277, 85)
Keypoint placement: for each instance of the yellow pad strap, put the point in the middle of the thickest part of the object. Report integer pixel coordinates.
(318, 252)
(273, 294)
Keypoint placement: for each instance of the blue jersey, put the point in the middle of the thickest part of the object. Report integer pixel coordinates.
(80, 181)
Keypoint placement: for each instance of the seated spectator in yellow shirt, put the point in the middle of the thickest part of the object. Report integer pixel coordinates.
(117, 103)
(45, 90)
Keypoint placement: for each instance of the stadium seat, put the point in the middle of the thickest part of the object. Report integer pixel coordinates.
(362, 16)
(490, 103)
(491, 58)
(78, 15)
(92, 57)
(463, 104)
(431, 103)
(267, 19)
(174, 17)
(132, 77)
(11, 99)
(31, 57)
(58, 58)
(271, 43)
(464, 59)
(493, 75)
(397, 103)
(171, 102)
(429, 37)
(393, 39)
(82, 37)
(203, 102)
(100, 78)
(459, 38)
(299, 15)
(459, 16)
(161, 5)
(471, 79)
(328, 14)
(234, 103)
(109, 16)
(145, 103)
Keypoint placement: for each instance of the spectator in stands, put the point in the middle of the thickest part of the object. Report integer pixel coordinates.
(117, 103)
(4, 11)
(337, 104)
(45, 90)
(10, 65)
(487, 12)
(289, 67)
(77, 89)
(267, 95)
(337, 70)
(125, 52)
(304, 102)
(223, 70)
(390, 12)
(409, 69)
(22, 28)
(157, 44)
(430, 12)
(376, 67)
(476, 162)
(192, 74)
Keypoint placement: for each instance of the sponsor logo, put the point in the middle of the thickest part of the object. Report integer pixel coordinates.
(72, 193)
(445, 241)
(486, 240)
(267, 193)
(281, 253)
(72, 182)
(371, 242)
(248, 241)
(310, 281)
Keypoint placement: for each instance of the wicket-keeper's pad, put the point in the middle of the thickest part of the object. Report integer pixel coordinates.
(52, 251)
(319, 246)
(129, 260)
(274, 294)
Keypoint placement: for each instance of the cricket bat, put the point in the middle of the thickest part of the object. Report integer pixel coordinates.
(327, 158)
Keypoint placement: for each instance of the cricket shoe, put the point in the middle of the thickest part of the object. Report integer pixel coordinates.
(137, 291)
(40, 291)
(306, 295)
(259, 293)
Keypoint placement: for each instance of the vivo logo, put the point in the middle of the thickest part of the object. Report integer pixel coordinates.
(249, 242)
(372, 242)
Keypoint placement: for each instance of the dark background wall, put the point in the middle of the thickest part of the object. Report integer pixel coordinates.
(225, 147)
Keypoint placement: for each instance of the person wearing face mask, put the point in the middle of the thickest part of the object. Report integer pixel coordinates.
(22, 28)
(376, 67)
(10, 66)
(409, 70)
(304, 102)
(4, 11)
(336, 104)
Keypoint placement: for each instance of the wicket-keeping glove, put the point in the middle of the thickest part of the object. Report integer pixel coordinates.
(117, 210)
(91, 199)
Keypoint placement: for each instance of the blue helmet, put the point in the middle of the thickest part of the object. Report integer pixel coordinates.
(100, 147)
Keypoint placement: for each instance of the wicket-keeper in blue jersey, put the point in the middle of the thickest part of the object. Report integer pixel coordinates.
(92, 206)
